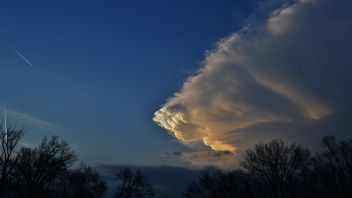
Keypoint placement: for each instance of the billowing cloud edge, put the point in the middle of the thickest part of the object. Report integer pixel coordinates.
(252, 78)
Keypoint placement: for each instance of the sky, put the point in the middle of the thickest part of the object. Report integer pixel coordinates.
(94, 72)
(179, 82)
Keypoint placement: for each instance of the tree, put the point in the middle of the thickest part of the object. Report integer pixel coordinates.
(39, 169)
(219, 184)
(43, 171)
(83, 182)
(333, 167)
(133, 185)
(9, 138)
(276, 166)
(206, 187)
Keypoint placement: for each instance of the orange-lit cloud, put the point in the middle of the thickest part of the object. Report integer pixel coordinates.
(268, 73)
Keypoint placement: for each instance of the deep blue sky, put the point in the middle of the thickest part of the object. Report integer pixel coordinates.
(102, 68)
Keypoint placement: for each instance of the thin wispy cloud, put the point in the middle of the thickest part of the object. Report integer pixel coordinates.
(21, 56)
(199, 159)
(26, 119)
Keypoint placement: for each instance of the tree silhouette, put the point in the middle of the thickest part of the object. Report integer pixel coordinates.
(83, 182)
(133, 185)
(9, 138)
(279, 170)
(272, 169)
(276, 166)
(206, 187)
(218, 184)
(333, 168)
(40, 169)
(43, 171)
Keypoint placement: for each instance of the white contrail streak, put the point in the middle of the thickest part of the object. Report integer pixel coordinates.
(21, 56)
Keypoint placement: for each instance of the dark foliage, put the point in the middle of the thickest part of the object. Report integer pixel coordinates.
(133, 185)
(278, 170)
(83, 182)
(39, 169)
(332, 173)
(44, 171)
(277, 167)
(218, 184)
(9, 138)
(269, 170)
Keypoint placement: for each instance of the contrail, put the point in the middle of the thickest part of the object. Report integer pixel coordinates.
(21, 56)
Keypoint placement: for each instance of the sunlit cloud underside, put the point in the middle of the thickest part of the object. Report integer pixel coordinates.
(275, 71)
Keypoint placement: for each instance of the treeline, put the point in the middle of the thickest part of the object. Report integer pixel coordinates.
(269, 170)
(45, 170)
(278, 170)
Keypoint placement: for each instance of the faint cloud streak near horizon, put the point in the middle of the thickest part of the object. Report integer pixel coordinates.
(27, 119)
(200, 159)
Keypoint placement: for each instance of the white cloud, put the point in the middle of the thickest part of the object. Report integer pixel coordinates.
(288, 69)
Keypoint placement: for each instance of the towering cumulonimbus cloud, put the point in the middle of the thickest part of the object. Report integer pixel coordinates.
(286, 72)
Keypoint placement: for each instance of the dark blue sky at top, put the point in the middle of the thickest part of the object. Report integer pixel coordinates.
(102, 68)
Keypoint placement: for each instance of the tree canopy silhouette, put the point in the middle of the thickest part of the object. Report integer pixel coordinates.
(9, 138)
(45, 170)
(333, 168)
(83, 182)
(38, 169)
(219, 184)
(268, 170)
(277, 166)
(279, 170)
(133, 185)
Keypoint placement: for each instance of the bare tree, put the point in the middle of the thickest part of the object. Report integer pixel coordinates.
(279, 170)
(83, 182)
(220, 184)
(133, 185)
(277, 166)
(333, 167)
(206, 187)
(9, 138)
(39, 168)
